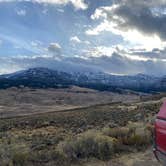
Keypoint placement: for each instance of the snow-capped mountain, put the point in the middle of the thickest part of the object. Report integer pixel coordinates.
(48, 78)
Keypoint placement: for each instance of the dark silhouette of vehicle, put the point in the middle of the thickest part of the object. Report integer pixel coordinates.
(160, 135)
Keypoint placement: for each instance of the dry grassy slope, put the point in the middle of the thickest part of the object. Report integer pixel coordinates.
(81, 119)
(21, 102)
(43, 132)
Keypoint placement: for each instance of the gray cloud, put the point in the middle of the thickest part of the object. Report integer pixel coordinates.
(55, 49)
(148, 17)
(154, 54)
(141, 24)
(123, 65)
(116, 63)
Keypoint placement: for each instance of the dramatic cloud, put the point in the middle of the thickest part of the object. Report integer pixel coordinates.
(78, 4)
(137, 21)
(114, 36)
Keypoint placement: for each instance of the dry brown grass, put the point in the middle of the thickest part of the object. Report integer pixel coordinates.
(56, 138)
(17, 102)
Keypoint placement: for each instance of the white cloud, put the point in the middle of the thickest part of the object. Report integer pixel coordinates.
(54, 46)
(98, 13)
(21, 12)
(7, 65)
(55, 49)
(87, 42)
(75, 39)
(45, 11)
(38, 46)
(99, 51)
(78, 4)
(114, 62)
(103, 26)
(60, 10)
(36, 43)
(125, 52)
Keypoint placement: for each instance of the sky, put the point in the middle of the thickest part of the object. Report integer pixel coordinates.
(123, 37)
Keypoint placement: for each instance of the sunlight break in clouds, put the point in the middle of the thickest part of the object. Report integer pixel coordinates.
(116, 36)
(111, 23)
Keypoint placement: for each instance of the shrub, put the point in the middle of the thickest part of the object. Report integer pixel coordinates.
(19, 159)
(116, 132)
(137, 140)
(89, 144)
(47, 156)
(150, 128)
(59, 158)
(134, 135)
(141, 137)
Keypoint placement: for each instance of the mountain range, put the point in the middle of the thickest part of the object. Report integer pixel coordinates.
(48, 78)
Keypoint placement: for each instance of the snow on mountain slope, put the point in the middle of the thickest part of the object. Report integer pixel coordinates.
(44, 77)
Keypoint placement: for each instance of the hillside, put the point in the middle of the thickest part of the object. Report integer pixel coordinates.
(47, 78)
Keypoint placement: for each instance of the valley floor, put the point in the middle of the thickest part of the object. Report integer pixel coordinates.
(16, 102)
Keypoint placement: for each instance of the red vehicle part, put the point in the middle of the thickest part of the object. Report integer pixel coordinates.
(160, 135)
